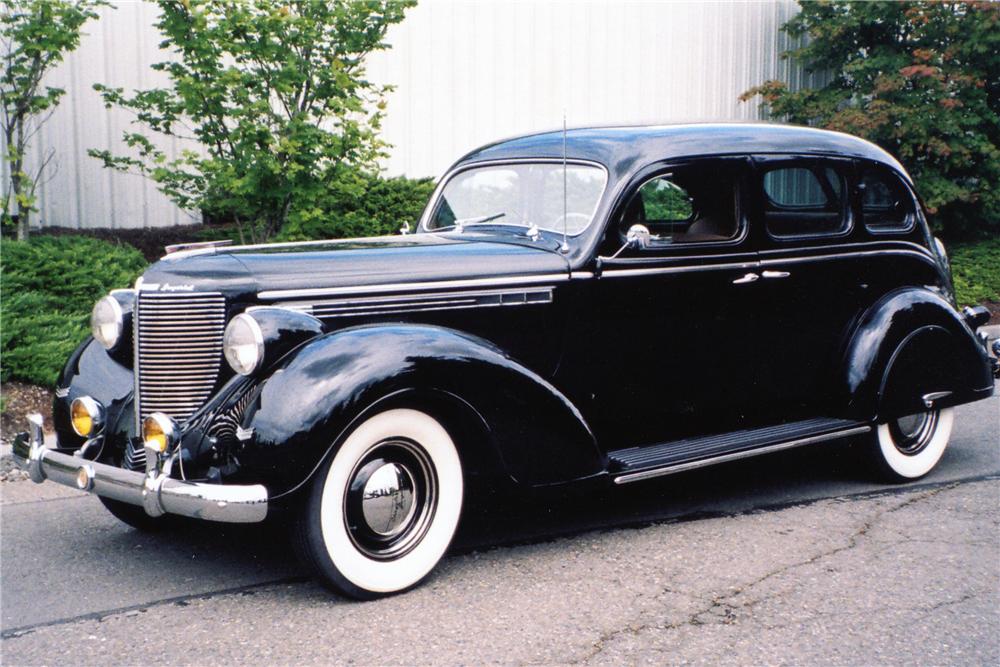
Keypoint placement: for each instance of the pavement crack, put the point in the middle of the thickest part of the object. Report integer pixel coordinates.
(132, 610)
(723, 608)
(852, 541)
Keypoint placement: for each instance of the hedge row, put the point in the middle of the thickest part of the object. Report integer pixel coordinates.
(49, 286)
(975, 268)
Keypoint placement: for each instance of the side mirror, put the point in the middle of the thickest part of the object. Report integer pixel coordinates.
(637, 237)
(405, 229)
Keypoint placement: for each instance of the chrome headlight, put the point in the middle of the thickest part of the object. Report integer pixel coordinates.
(243, 344)
(107, 321)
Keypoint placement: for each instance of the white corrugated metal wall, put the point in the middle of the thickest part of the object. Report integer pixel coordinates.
(466, 73)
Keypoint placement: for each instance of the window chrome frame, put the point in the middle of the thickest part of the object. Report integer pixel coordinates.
(435, 201)
(654, 250)
(843, 166)
(914, 205)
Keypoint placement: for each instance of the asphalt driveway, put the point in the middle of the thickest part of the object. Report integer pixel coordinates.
(794, 558)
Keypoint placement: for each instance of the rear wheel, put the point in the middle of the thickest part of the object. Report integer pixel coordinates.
(909, 447)
(382, 511)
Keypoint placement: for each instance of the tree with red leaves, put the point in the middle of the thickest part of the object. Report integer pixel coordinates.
(922, 80)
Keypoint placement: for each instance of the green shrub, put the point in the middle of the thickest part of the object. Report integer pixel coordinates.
(975, 268)
(276, 95)
(364, 206)
(49, 285)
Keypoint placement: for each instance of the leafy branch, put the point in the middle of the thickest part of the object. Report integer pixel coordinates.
(922, 80)
(35, 36)
(276, 97)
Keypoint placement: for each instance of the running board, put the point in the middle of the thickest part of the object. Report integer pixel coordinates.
(638, 463)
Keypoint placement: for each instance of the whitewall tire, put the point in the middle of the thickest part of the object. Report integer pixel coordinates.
(383, 510)
(909, 447)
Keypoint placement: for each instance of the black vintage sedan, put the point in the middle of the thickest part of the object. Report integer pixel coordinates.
(599, 305)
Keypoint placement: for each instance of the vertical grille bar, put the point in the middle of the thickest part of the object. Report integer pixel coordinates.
(178, 340)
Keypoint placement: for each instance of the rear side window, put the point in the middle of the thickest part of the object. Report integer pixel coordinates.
(886, 204)
(804, 200)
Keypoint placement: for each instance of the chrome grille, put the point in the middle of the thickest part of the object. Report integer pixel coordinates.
(179, 351)
(135, 455)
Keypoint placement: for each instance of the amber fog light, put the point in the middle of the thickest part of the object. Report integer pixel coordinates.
(159, 432)
(86, 416)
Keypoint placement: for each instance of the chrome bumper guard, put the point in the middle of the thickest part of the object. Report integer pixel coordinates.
(155, 492)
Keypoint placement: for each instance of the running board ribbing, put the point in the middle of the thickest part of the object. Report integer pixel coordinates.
(637, 463)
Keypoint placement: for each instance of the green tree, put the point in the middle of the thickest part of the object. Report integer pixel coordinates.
(922, 80)
(35, 35)
(276, 98)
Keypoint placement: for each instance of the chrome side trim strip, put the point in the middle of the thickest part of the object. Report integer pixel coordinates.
(622, 273)
(411, 303)
(180, 254)
(391, 288)
(840, 255)
(895, 244)
(619, 273)
(735, 456)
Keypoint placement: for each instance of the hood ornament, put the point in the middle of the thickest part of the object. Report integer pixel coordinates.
(200, 245)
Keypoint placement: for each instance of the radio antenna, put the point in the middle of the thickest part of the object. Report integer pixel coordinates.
(565, 244)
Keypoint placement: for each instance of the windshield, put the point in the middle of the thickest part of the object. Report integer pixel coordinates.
(521, 195)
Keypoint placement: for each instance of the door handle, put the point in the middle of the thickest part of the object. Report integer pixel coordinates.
(776, 274)
(748, 278)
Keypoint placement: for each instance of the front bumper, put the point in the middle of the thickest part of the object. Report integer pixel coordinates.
(156, 492)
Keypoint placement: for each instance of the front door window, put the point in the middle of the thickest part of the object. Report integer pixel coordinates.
(691, 203)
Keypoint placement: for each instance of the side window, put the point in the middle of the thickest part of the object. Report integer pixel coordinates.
(886, 204)
(804, 200)
(693, 203)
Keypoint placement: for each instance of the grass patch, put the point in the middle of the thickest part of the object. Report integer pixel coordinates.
(976, 270)
(48, 286)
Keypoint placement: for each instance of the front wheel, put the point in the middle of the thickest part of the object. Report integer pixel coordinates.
(909, 447)
(136, 516)
(382, 511)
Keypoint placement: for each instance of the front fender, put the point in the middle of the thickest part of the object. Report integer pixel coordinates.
(307, 405)
(91, 371)
(909, 344)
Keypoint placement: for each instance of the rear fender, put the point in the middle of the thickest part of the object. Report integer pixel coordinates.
(908, 346)
(509, 415)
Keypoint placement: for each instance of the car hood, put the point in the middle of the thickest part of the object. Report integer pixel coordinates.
(245, 272)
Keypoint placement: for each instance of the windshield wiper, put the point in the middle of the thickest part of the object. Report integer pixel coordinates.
(531, 229)
(461, 223)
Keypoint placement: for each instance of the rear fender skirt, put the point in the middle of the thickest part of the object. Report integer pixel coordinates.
(308, 404)
(909, 345)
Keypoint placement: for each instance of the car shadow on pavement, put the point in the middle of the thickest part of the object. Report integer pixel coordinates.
(775, 480)
(506, 519)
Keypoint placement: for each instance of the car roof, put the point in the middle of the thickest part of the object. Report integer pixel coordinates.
(623, 149)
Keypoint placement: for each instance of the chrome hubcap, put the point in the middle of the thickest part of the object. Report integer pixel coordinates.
(912, 433)
(390, 501)
(387, 499)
